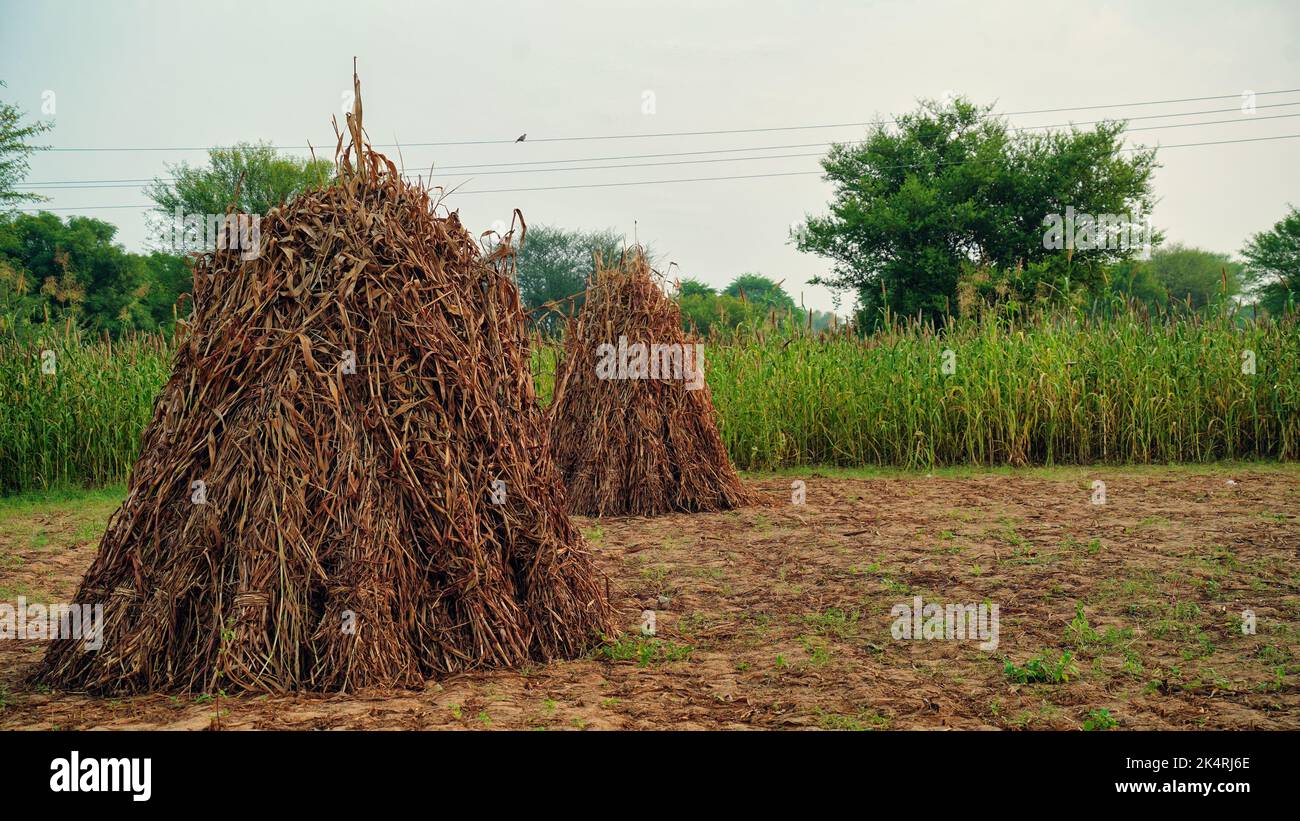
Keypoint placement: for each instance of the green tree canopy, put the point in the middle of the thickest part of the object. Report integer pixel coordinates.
(15, 152)
(554, 264)
(78, 270)
(1193, 275)
(762, 292)
(709, 312)
(748, 297)
(168, 276)
(263, 177)
(1272, 267)
(1134, 278)
(693, 287)
(949, 186)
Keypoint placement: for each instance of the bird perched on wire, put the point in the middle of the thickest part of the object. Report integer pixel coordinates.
(521, 137)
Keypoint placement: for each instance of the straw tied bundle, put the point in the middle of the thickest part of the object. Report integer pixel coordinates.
(633, 429)
(345, 481)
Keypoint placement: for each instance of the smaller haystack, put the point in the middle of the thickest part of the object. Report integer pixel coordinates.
(633, 430)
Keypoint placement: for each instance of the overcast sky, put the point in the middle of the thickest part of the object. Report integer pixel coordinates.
(172, 75)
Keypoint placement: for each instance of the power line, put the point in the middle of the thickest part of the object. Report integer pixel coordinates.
(134, 182)
(527, 170)
(148, 206)
(1211, 122)
(799, 173)
(713, 132)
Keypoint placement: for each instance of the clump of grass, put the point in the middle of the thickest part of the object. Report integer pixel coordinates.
(644, 650)
(1043, 668)
(1079, 632)
(818, 653)
(1099, 720)
(834, 622)
(861, 721)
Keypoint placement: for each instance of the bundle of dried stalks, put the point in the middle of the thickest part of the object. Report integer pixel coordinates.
(346, 480)
(633, 429)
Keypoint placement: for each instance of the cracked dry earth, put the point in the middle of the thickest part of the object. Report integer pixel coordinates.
(780, 617)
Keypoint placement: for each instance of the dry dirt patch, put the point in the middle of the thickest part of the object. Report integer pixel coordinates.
(779, 617)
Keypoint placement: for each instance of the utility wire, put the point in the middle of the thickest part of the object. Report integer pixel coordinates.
(148, 206)
(581, 138)
(135, 181)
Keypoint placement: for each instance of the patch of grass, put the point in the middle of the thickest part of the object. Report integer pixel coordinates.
(1272, 654)
(707, 572)
(1079, 632)
(1082, 634)
(897, 588)
(1099, 720)
(834, 622)
(818, 653)
(1043, 668)
(1024, 555)
(862, 721)
(61, 499)
(10, 592)
(1132, 664)
(644, 650)
(690, 625)
(89, 532)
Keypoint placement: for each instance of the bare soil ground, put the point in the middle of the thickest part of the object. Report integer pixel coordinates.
(779, 617)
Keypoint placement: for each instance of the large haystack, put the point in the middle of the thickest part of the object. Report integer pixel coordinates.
(376, 503)
(633, 429)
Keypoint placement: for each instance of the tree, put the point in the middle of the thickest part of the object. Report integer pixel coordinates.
(706, 311)
(1194, 275)
(1134, 278)
(77, 269)
(554, 265)
(15, 152)
(1272, 267)
(824, 320)
(693, 287)
(262, 176)
(951, 187)
(19, 306)
(763, 293)
(168, 276)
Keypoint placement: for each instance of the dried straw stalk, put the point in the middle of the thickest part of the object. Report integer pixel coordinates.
(636, 446)
(350, 535)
